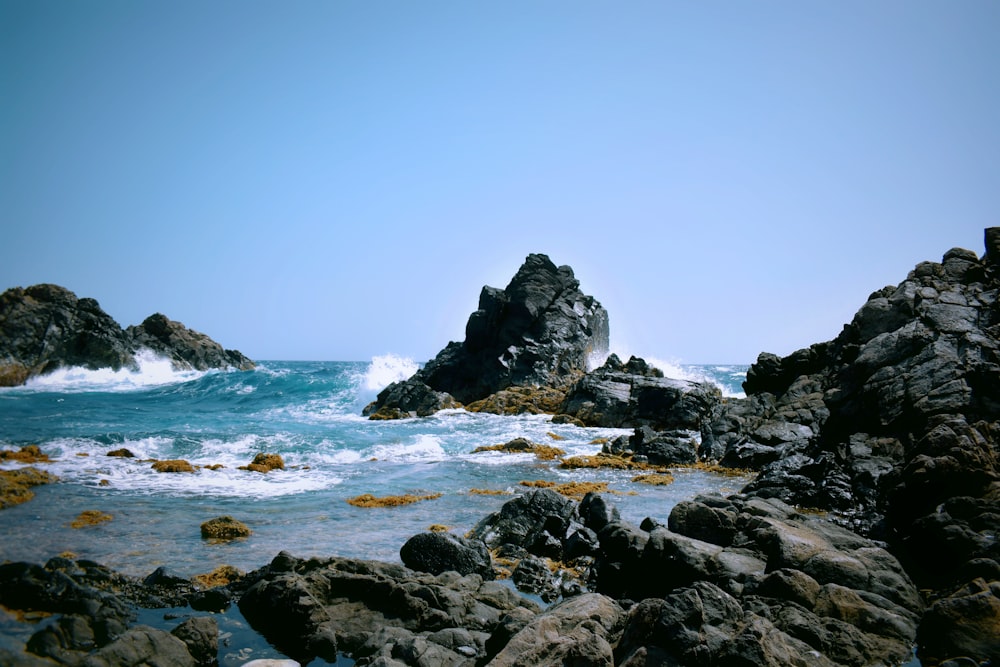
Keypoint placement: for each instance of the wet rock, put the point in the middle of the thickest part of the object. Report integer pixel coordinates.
(185, 347)
(15, 485)
(173, 465)
(784, 572)
(201, 636)
(264, 462)
(224, 528)
(965, 623)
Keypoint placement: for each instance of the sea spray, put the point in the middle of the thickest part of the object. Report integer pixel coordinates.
(150, 370)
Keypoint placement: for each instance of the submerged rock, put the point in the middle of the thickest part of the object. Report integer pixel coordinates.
(45, 327)
(224, 528)
(541, 330)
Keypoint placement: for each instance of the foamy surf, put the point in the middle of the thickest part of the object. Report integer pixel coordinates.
(151, 371)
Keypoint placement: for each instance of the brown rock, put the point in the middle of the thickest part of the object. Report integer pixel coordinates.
(173, 465)
(224, 528)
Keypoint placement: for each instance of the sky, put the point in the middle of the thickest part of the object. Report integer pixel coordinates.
(336, 180)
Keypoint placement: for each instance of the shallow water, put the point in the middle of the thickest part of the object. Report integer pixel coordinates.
(309, 413)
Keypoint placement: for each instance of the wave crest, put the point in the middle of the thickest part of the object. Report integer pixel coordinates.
(151, 370)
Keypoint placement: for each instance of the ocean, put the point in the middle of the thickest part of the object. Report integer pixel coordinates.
(310, 414)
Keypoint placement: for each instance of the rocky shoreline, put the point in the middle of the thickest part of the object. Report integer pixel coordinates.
(870, 528)
(46, 327)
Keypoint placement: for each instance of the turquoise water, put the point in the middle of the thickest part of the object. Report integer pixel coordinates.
(309, 413)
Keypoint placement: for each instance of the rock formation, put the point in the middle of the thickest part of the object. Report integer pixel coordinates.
(541, 330)
(893, 425)
(45, 327)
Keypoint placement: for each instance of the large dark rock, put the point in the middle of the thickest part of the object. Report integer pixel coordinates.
(45, 327)
(311, 608)
(893, 424)
(185, 347)
(747, 581)
(541, 330)
(532, 521)
(632, 394)
(437, 552)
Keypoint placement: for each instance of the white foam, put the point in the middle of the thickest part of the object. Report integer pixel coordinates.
(151, 370)
(386, 369)
(424, 447)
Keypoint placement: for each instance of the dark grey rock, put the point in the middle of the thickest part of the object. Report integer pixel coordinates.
(45, 327)
(541, 330)
(442, 552)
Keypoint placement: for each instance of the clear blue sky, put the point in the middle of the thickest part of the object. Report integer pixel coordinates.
(335, 180)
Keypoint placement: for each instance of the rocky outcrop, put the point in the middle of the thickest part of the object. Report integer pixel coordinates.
(893, 425)
(184, 347)
(541, 330)
(45, 327)
(376, 611)
(636, 394)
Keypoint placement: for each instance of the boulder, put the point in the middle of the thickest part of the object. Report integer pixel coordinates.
(224, 528)
(541, 330)
(437, 552)
(45, 327)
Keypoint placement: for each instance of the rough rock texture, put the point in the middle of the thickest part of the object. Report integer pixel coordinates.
(541, 330)
(45, 327)
(310, 608)
(893, 424)
(635, 394)
(578, 631)
(437, 552)
(749, 581)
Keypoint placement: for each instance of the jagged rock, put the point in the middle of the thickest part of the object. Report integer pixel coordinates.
(616, 396)
(185, 347)
(893, 424)
(528, 521)
(781, 572)
(44, 327)
(436, 552)
(541, 330)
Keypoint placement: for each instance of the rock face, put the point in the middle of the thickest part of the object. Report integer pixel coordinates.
(541, 330)
(894, 424)
(45, 327)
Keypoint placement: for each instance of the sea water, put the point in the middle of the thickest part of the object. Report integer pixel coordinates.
(310, 414)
